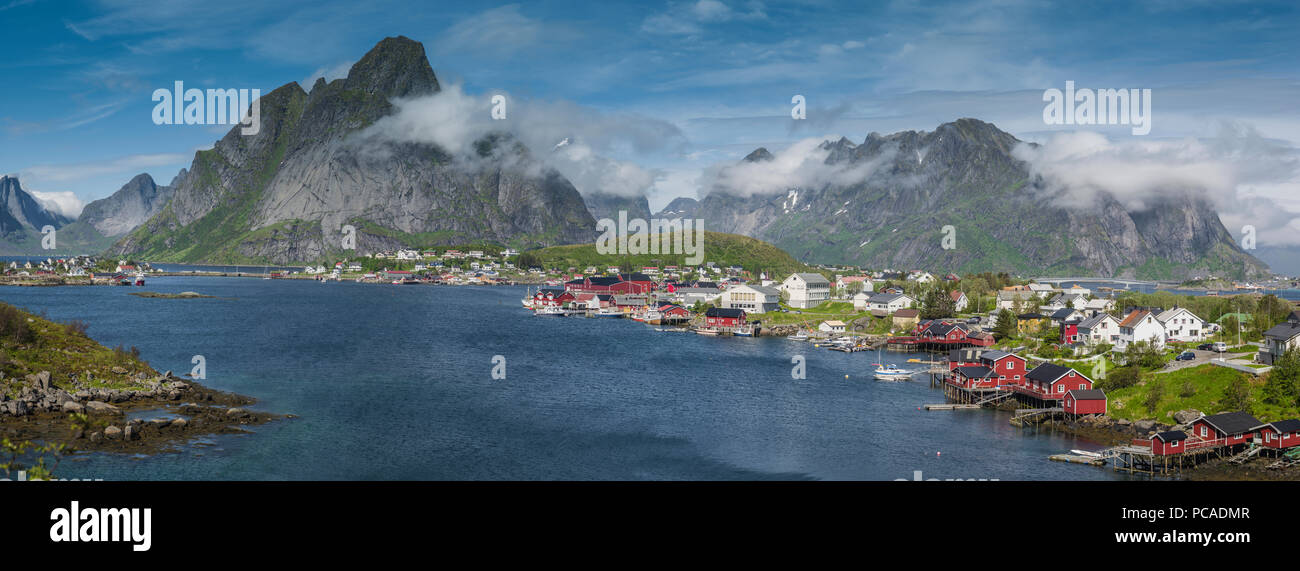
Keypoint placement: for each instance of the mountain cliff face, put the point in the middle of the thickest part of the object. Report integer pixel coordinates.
(22, 217)
(286, 194)
(963, 175)
(133, 204)
(604, 205)
(680, 207)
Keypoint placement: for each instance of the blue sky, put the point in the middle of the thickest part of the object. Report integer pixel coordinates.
(713, 77)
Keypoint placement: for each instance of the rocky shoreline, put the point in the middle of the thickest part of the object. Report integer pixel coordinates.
(182, 410)
(1110, 431)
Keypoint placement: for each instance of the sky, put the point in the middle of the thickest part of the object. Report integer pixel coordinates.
(658, 95)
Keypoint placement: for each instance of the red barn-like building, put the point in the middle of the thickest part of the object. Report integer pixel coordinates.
(1166, 443)
(1231, 428)
(722, 317)
(1280, 435)
(1086, 401)
(1050, 381)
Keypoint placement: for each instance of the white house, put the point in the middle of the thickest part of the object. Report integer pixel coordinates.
(1100, 328)
(1072, 301)
(891, 302)
(845, 281)
(832, 326)
(1140, 325)
(752, 299)
(920, 277)
(1009, 299)
(1098, 306)
(1041, 290)
(1182, 325)
(807, 289)
(959, 300)
(862, 301)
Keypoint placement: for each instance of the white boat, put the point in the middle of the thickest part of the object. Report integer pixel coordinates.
(551, 311)
(609, 312)
(744, 331)
(800, 336)
(891, 372)
(1086, 453)
(653, 317)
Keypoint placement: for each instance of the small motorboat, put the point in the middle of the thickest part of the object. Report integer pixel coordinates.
(550, 311)
(890, 372)
(800, 336)
(608, 312)
(1086, 453)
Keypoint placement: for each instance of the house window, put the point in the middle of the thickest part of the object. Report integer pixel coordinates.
(1175, 444)
(1060, 388)
(1204, 432)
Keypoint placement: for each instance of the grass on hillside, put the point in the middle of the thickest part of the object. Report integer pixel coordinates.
(719, 248)
(1208, 384)
(30, 344)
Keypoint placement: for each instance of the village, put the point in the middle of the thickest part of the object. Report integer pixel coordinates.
(1030, 348)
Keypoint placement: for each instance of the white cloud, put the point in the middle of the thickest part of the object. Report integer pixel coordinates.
(801, 165)
(501, 31)
(454, 120)
(64, 202)
(1252, 180)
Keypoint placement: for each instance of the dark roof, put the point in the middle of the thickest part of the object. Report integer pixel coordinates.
(1048, 372)
(1063, 313)
(1283, 331)
(944, 328)
(1031, 316)
(1233, 422)
(1171, 436)
(635, 277)
(706, 284)
(994, 355)
(974, 372)
(724, 312)
(603, 280)
(1288, 425)
(1088, 394)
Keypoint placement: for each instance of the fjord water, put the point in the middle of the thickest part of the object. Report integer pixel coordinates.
(394, 382)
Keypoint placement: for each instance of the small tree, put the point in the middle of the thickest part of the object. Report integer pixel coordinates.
(1156, 392)
(1283, 386)
(1237, 396)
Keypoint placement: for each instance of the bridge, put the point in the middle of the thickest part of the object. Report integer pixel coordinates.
(1094, 279)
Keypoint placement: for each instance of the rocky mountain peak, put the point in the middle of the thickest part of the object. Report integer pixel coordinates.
(395, 67)
(759, 154)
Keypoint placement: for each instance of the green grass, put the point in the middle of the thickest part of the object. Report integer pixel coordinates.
(719, 248)
(62, 351)
(1208, 382)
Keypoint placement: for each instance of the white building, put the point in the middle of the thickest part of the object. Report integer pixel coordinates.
(752, 299)
(891, 302)
(832, 326)
(806, 289)
(1182, 325)
(959, 301)
(1140, 325)
(1100, 328)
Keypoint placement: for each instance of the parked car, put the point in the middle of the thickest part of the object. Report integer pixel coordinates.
(1206, 346)
(1185, 356)
(1220, 347)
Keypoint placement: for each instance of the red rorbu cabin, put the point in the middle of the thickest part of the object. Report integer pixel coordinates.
(1230, 427)
(1050, 381)
(1166, 443)
(1085, 401)
(723, 317)
(1281, 435)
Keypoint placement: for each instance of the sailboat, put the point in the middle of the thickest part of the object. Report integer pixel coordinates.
(889, 372)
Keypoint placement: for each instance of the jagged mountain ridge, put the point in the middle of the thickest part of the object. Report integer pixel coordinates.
(22, 217)
(963, 174)
(285, 194)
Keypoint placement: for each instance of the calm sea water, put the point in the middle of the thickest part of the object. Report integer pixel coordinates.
(394, 382)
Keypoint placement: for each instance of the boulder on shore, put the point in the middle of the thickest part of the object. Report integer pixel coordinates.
(112, 433)
(73, 407)
(1186, 416)
(100, 407)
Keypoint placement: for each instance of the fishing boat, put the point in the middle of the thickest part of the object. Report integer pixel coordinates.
(800, 336)
(890, 372)
(706, 331)
(744, 331)
(653, 317)
(550, 311)
(608, 312)
(139, 278)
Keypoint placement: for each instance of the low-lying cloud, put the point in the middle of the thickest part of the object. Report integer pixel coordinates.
(1252, 180)
(576, 141)
(801, 165)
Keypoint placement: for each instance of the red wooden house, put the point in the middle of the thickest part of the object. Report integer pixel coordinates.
(724, 318)
(974, 377)
(1085, 401)
(1167, 443)
(1069, 332)
(635, 283)
(1009, 367)
(555, 297)
(1226, 429)
(1050, 381)
(673, 310)
(1281, 435)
